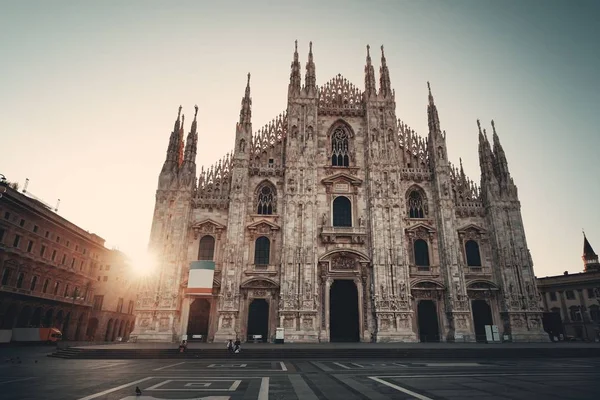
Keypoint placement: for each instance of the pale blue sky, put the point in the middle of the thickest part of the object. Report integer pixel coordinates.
(89, 92)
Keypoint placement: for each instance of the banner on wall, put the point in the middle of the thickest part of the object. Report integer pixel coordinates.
(200, 280)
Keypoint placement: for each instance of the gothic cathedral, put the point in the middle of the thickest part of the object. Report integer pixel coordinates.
(337, 222)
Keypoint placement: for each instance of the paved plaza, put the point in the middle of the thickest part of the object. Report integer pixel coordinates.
(35, 376)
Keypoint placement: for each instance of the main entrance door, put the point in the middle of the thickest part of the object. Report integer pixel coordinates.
(343, 312)
(482, 316)
(428, 321)
(199, 318)
(258, 319)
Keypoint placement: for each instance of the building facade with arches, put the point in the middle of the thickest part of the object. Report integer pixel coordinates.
(55, 274)
(337, 222)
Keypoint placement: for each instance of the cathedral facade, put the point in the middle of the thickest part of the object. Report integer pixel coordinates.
(337, 222)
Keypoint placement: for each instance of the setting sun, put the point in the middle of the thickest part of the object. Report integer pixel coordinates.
(143, 263)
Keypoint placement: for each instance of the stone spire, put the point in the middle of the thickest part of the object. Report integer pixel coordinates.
(432, 114)
(370, 89)
(180, 143)
(385, 85)
(310, 79)
(486, 157)
(590, 258)
(191, 142)
(295, 78)
(246, 111)
(500, 157)
(172, 150)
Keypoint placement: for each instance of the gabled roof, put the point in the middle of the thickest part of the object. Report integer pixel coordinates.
(342, 176)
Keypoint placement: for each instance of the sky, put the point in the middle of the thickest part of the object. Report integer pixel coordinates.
(89, 92)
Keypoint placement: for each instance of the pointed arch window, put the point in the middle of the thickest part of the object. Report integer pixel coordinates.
(472, 253)
(416, 208)
(20, 280)
(262, 251)
(342, 211)
(340, 153)
(206, 249)
(266, 200)
(421, 252)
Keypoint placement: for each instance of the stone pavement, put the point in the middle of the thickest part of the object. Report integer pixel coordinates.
(230, 379)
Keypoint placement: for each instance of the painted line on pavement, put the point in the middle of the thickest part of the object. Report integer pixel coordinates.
(301, 388)
(401, 389)
(360, 388)
(168, 366)
(477, 375)
(108, 365)
(263, 392)
(322, 366)
(96, 395)
(358, 365)
(283, 367)
(17, 380)
(341, 365)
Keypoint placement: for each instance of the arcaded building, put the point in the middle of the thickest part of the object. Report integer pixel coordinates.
(576, 297)
(337, 222)
(51, 272)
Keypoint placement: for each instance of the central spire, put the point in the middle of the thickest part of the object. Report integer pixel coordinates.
(432, 113)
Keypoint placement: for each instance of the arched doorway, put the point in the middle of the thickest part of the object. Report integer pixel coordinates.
(199, 318)
(343, 312)
(91, 329)
(429, 330)
(258, 319)
(48, 319)
(482, 316)
(9, 317)
(36, 319)
(109, 330)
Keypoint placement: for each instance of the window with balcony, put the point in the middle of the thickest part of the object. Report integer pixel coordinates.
(64, 259)
(22, 222)
(42, 251)
(66, 291)
(56, 286)
(33, 283)
(421, 253)
(472, 253)
(35, 229)
(342, 212)
(6, 276)
(53, 254)
(30, 246)
(206, 249)
(17, 241)
(262, 250)
(46, 284)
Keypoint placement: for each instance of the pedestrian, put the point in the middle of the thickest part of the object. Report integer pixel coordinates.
(237, 346)
(230, 346)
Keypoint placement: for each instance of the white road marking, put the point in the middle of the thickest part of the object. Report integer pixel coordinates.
(358, 365)
(232, 388)
(301, 388)
(168, 366)
(452, 364)
(17, 380)
(96, 395)
(108, 365)
(322, 366)
(341, 365)
(263, 393)
(478, 375)
(283, 367)
(227, 366)
(401, 389)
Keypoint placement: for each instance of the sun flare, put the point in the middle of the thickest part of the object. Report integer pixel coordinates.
(143, 263)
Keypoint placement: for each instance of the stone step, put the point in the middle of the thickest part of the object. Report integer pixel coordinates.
(329, 353)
